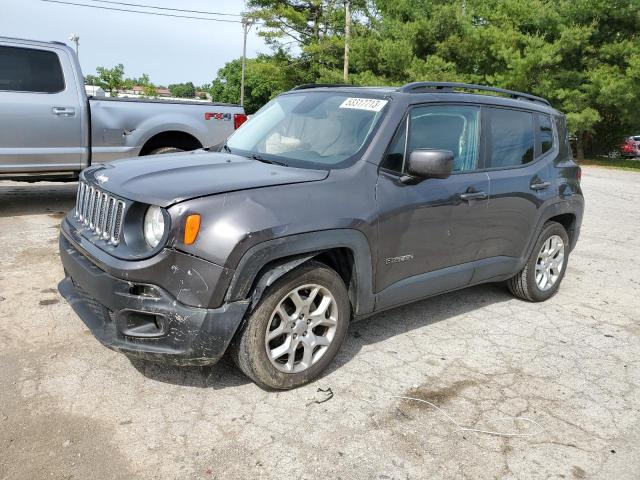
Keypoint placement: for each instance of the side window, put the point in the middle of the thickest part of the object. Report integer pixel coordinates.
(511, 137)
(30, 70)
(546, 133)
(447, 127)
(395, 155)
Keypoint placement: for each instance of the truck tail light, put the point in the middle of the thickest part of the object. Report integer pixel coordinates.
(238, 119)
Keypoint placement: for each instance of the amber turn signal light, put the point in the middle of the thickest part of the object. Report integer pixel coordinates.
(191, 228)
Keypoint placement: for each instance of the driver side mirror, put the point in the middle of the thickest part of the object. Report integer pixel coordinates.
(426, 163)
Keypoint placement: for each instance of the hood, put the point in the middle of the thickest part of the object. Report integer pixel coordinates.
(171, 178)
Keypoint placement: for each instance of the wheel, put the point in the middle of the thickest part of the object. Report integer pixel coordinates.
(296, 330)
(161, 150)
(541, 276)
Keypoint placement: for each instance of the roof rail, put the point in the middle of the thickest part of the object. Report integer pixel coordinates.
(319, 85)
(450, 86)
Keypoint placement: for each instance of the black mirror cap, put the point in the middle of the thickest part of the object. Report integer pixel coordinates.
(427, 163)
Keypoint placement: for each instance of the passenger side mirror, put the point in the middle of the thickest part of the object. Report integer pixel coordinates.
(426, 163)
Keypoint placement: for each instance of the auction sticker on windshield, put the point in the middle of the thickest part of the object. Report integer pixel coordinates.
(371, 104)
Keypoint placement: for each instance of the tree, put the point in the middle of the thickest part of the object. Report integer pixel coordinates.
(90, 79)
(148, 88)
(314, 26)
(110, 79)
(580, 54)
(266, 77)
(183, 90)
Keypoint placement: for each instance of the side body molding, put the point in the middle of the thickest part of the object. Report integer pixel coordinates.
(257, 257)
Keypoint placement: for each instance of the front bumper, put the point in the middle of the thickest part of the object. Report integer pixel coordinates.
(142, 319)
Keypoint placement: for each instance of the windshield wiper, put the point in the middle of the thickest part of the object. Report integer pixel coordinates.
(259, 158)
(226, 148)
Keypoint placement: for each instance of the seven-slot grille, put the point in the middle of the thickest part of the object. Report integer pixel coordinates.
(100, 212)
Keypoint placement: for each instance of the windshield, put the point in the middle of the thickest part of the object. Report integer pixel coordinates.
(312, 129)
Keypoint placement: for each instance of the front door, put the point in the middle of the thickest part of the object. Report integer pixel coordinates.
(430, 232)
(40, 112)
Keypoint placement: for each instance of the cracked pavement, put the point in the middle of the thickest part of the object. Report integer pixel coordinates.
(70, 408)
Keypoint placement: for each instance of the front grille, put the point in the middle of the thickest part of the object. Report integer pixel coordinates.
(100, 212)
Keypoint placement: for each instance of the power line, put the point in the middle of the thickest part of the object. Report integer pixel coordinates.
(142, 12)
(167, 8)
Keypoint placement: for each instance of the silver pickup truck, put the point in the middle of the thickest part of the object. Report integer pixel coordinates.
(49, 128)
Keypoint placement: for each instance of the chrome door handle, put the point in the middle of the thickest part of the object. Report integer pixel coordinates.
(473, 196)
(64, 111)
(540, 185)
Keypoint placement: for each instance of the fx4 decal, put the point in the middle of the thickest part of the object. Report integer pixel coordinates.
(217, 116)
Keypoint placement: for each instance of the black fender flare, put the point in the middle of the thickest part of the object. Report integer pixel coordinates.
(574, 205)
(293, 251)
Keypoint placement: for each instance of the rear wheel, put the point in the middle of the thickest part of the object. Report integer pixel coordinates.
(541, 276)
(296, 330)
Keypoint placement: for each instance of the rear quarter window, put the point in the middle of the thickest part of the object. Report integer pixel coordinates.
(30, 70)
(545, 132)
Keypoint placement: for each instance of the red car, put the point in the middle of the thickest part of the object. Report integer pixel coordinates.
(630, 146)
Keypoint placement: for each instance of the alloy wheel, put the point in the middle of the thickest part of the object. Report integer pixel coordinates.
(550, 262)
(301, 328)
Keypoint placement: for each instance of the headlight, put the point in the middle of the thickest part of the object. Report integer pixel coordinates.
(153, 226)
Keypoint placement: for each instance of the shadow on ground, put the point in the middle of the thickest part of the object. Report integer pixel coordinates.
(377, 328)
(39, 198)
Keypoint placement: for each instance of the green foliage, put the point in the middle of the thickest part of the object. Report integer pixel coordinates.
(620, 164)
(583, 55)
(266, 77)
(110, 79)
(148, 88)
(183, 90)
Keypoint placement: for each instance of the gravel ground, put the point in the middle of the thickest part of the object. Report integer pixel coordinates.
(70, 408)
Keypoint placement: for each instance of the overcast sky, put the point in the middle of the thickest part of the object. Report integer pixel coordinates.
(170, 50)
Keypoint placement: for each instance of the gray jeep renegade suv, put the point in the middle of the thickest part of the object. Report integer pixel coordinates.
(332, 203)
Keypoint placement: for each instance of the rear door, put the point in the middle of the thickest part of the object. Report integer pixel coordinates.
(430, 232)
(519, 145)
(40, 111)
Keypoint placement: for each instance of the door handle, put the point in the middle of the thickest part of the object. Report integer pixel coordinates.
(473, 196)
(540, 185)
(64, 111)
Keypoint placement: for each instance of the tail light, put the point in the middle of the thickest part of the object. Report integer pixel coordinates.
(579, 174)
(627, 148)
(238, 119)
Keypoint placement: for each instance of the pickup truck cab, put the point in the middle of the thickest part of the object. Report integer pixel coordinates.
(331, 204)
(50, 129)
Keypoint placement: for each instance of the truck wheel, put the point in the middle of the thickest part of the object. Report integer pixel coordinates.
(161, 150)
(296, 329)
(541, 276)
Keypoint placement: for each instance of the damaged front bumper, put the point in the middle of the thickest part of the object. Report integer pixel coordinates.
(143, 319)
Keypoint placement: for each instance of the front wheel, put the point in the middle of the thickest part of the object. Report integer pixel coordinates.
(296, 330)
(541, 276)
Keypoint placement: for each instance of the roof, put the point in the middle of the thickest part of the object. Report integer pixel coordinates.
(442, 91)
(40, 43)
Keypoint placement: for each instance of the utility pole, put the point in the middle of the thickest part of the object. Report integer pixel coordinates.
(246, 25)
(347, 34)
(75, 39)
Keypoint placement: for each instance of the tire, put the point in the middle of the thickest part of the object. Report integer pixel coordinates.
(161, 150)
(249, 349)
(525, 285)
